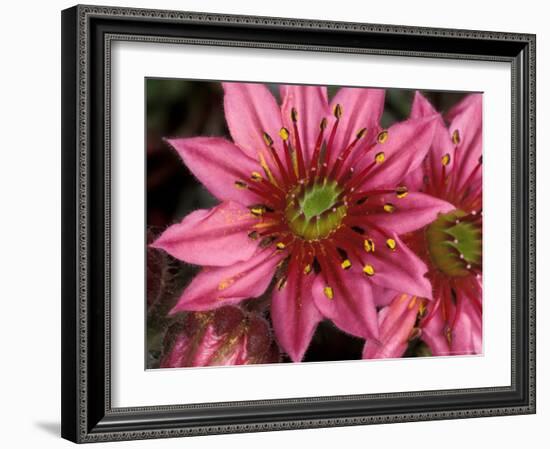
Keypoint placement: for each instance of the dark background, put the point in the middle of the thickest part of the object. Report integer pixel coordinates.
(185, 108)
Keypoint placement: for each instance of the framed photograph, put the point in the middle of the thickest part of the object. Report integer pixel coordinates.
(277, 224)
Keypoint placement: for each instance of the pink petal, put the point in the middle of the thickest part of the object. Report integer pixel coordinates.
(412, 212)
(383, 296)
(466, 119)
(251, 110)
(421, 107)
(434, 332)
(406, 146)
(311, 103)
(396, 324)
(294, 314)
(215, 237)
(352, 308)
(220, 286)
(431, 168)
(400, 268)
(467, 330)
(362, 108)
(217, 164)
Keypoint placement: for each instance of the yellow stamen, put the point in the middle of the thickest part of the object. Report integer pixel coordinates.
(240, 185)
(361, 133)
(448, 335)
(382, 136)
(329, 293)
(422, 308)
(391, 244)
(267, 171)
(257, 211)
(446, 159)
(255, 176)
(368, 244)
(323, 124)
(412, 303)
(389, 208)
(456, 137)
(346, 264)
(281, 283)
(294, 115)
(307, 269)
(284, 134)
(380, 157)
(338, 111)
(401, 192)
(368, 270)
(280, 245)
(267, 139)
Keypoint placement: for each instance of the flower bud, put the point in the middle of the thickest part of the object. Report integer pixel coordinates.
(225, 336)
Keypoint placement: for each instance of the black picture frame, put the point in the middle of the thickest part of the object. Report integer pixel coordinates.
(87, 33)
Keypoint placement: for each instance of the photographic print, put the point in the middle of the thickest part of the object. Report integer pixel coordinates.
(293, 223)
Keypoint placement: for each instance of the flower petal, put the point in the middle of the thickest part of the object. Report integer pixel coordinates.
(410, 213)
(352, 307)
(218, 164)
(404, 149)
(215, 237)
(220, 286)
(294, 314)
(251, 110)
(398, 267)
(467, 329)
(431, 169)
(433, 333)
(466, 121)
(311, 103)
(361, 108)
(396, 324)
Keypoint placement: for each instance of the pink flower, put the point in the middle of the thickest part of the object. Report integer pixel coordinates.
(311, 196)
(226, 336)
(451, 245)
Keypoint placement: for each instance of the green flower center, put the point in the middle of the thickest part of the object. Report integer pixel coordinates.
(314, 211)
(454, 243)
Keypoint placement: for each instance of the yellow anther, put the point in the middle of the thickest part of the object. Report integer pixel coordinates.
(412, 303)
(368, 244)
(380, 157)
(255, 176)
(361, 133)
(346, 264)
(391, 244)
(389, 208)
(449, 334)
(368, 270)
(446, 159)
(329, 293)
(281, 283)
(241, 185)
(422, 308)
(257, 211)
(401, 192)
(280, 245)
(267, 139)
(294, 115)
(283, 133)
(307, 269)
(382, 136)
(455, 137)
(338, 111)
